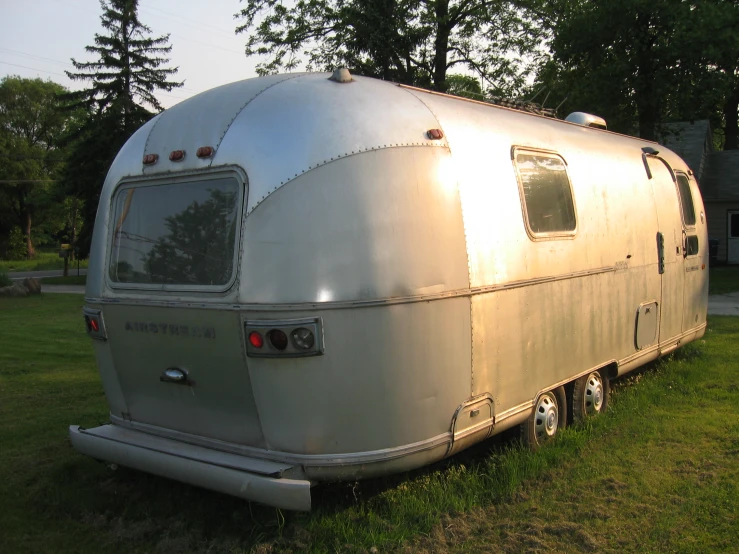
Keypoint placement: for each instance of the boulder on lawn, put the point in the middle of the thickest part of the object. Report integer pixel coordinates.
(33, 286)
(14, 290)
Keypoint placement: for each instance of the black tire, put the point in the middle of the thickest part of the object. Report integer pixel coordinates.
(547, 418)
(590, 395)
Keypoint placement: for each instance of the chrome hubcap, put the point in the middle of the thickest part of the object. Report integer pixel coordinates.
(546, 417)
(594, 394)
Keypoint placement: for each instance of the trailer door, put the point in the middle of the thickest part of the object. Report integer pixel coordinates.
(694, 251)
(670, 235)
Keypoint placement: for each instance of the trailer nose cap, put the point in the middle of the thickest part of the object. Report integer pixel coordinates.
(341, 75)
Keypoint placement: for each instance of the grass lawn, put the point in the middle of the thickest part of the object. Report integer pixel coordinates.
(723, 279)
(658, 473)
(42, 261)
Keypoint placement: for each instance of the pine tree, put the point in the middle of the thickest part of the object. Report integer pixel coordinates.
(130, 68)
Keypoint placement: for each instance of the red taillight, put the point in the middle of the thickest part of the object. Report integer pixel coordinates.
(176, 155)
(151, 159)
(94, 325)
(435, 134)
(256, 340)
(205, 152)
(278, 339)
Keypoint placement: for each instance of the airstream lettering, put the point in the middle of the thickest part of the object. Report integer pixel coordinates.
(302, 278)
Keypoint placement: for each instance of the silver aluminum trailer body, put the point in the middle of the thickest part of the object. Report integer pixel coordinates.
(399, 226)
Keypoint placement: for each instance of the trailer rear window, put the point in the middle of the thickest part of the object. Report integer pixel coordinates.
(178, 235)
(547, 195)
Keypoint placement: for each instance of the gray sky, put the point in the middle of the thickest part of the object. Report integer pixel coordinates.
(38, 38)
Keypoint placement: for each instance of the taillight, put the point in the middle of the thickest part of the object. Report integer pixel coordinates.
(284, 338)
(256, 340)
(278, 339)
(94, 323)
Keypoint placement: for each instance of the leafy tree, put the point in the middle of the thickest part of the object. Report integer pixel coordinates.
(640, 63)
(409, 41)
(129, 69)
(32, 127)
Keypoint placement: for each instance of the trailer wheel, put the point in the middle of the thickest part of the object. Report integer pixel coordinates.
(589, 395)
(547, 418)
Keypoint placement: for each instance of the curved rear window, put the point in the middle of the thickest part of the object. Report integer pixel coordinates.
(181, 234)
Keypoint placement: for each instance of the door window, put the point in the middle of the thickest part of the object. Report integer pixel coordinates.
(686, 200)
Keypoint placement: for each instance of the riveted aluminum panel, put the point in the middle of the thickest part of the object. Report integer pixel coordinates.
(390, 376)
(308, 121)
(203, 121)
(377, 225)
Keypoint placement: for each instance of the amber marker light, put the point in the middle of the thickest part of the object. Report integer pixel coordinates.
(256, 340)
(205, 152)
(176, 155)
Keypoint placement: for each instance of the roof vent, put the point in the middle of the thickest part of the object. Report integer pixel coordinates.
(341, 75)
(587, 120)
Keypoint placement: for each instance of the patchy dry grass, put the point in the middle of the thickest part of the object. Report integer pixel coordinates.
(659, 473)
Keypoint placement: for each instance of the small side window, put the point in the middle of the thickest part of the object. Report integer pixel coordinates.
(549, 209)
(686, 200)
(691, 245)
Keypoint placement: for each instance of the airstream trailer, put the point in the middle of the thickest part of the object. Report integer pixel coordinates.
(305, 277)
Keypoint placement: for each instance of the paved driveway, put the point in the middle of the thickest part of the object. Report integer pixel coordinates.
(724, 304)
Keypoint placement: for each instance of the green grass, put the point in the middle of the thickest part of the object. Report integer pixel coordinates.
(723, 279)
(658, 473)
(70, 280)
(42, 261)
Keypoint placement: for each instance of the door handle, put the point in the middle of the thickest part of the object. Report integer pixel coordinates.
(685, 244)
(176, 376)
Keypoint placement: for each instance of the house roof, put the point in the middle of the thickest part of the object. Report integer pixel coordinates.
(689, 140)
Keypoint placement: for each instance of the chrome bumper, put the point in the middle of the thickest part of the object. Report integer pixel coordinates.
(249, 478)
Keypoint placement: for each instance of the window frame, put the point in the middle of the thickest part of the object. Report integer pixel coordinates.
(550, 235)
(686, 226)
(173, 179)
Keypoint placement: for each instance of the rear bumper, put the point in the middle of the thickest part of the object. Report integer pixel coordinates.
(249, 478)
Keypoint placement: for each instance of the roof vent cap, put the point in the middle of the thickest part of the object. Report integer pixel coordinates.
(587, 120)
(341, 75)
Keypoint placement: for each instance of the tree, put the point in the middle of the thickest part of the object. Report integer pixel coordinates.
(640, 63)
(129, 69)
(32, 126)
(410, 41)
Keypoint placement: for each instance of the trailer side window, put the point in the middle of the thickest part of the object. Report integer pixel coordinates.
(686, 200)
(547, 194)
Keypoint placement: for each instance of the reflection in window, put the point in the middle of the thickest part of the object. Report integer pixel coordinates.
(686, 200)
(176, 234)
(547, 193)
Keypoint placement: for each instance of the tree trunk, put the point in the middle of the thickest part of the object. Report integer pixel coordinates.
(731, 119)
(30, 252)
(441, 44)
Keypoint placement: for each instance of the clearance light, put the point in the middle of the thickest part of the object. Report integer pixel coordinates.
(151, 159)
(278, 339)
(256, 340)
(303, 338)
(176, 155)
(435, 134)
(205, 152)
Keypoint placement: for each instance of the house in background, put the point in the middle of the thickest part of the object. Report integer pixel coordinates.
(717, 173)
